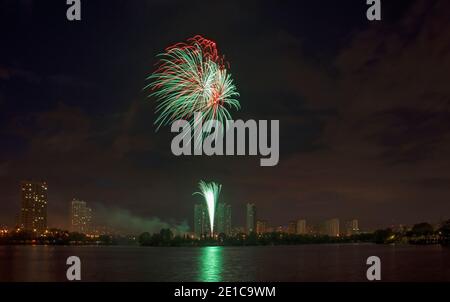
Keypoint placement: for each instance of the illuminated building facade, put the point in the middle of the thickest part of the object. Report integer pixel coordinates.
(33, 212)
(201, 220)
(301, 227)
(332, 227)
(352, 227)
(223, 218)
(251, 218)
(261, 226)
(80, 217)
(292, 227)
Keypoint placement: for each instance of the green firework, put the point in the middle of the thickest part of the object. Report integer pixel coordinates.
(210, 192)
(191, 77)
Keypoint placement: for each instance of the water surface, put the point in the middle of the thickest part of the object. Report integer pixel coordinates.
(332, 262)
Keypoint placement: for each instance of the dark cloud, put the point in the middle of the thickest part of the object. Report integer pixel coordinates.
(409, 135)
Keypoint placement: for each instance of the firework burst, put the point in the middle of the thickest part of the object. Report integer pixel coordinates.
(192, 77)
(210, 192)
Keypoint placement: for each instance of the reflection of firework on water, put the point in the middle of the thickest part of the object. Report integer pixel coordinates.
(192, 77)
(210, 192)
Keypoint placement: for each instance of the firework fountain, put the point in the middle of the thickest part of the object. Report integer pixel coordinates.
(210, 192)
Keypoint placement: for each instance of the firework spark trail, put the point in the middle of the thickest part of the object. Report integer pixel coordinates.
(210, 192)
(192, 77)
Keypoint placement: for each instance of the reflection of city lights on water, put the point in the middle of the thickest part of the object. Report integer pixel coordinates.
(211, 264)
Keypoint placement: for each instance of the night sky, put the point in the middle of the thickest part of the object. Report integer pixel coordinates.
(363, 108)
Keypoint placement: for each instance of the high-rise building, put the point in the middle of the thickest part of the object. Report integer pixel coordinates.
(332, 227)
(301, 227)
(292, 227)
(251, 218)
(198, 218)
(261, 226)
(80, 217)
(201, 220)
(222, 220)
(352, 227)
(33, 213)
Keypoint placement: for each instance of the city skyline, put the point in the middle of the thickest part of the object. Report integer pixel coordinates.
(81, 218)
